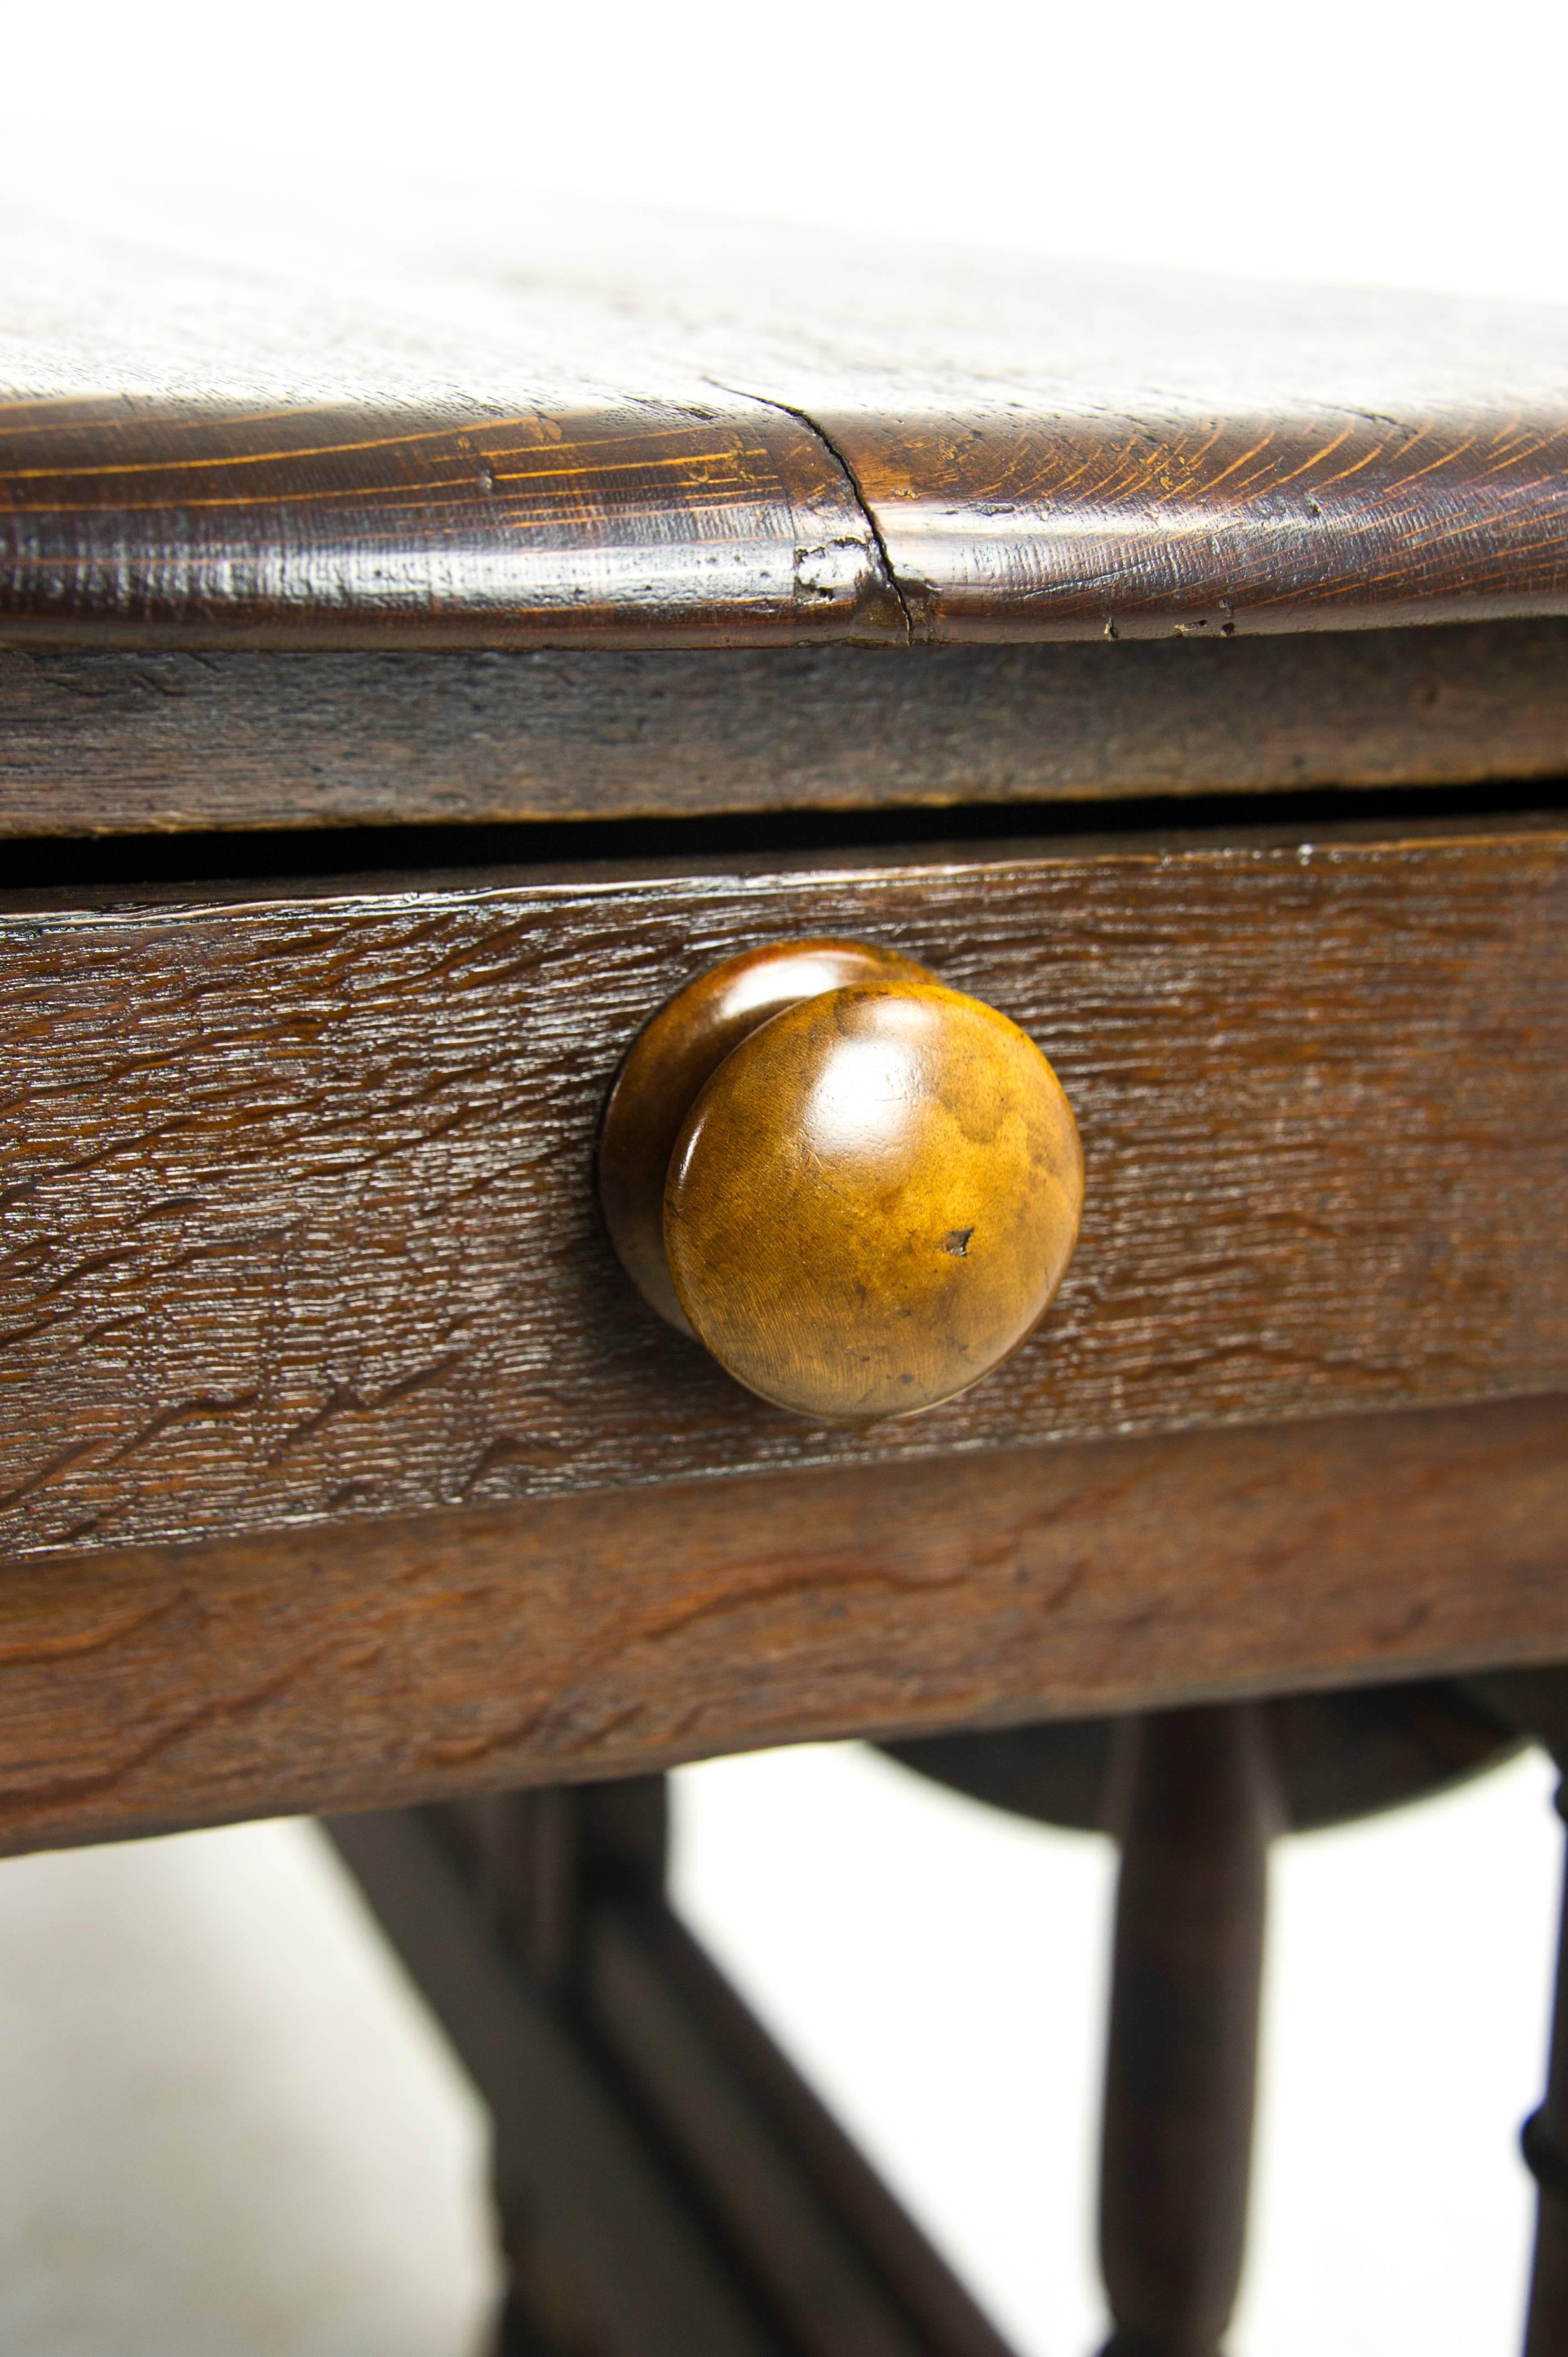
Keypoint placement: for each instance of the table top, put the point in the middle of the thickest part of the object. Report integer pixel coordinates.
(399, 416)
(349, 1471)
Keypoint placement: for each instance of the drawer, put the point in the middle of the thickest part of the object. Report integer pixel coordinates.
(343, 1464)
(300, 1211)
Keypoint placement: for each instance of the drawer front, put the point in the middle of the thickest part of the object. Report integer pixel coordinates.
(299, 1217)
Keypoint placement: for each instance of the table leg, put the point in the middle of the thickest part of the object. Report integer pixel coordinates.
(667, 2184)
(1545, 2142)
(1197, 1808)
(1535, 1702)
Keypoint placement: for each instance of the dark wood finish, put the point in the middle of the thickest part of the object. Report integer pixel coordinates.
(1545, 2142)
(1201, 1806)
(525, 1849)
(1196, 1797)
(1535, 1702)
(570, 1638)
(751, 2174)
(1336, 1756)
(872, 1198)
(299, 1196)
(533, 1859)
(671, 1061)
(100, 742)
(336, 1464)
(609, 2254)
(843, 2270)
(392, 418)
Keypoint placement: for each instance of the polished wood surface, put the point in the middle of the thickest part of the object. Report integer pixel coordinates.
(132, 743)
(339, 1464)
(670, 1061)
(389, 416)
(872, 1202)
(299, 1187)
(859, 1190)
(365, 1665)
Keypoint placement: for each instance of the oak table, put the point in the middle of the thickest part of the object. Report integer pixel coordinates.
(434, 636)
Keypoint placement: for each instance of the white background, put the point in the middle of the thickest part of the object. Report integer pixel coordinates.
(227, 2131)
(1413, 142)
(223, 2129)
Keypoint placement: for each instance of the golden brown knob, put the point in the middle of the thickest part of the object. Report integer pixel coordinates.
(859, 1189)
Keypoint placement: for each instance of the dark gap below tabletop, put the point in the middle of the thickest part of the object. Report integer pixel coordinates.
(219, 856)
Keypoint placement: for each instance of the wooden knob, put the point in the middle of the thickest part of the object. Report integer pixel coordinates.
(859, 1189)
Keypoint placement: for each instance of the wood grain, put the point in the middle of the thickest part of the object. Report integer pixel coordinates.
(872, 1202)
(376, 416)
(372, 1664)
(673, 1057)
(298, 1204)
(115, 742)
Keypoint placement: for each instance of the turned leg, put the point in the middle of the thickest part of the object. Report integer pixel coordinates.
(1196, 1807)
(1535, 1702)
(1545, 2143)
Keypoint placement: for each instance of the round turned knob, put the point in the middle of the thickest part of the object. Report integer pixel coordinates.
(859, 1189)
